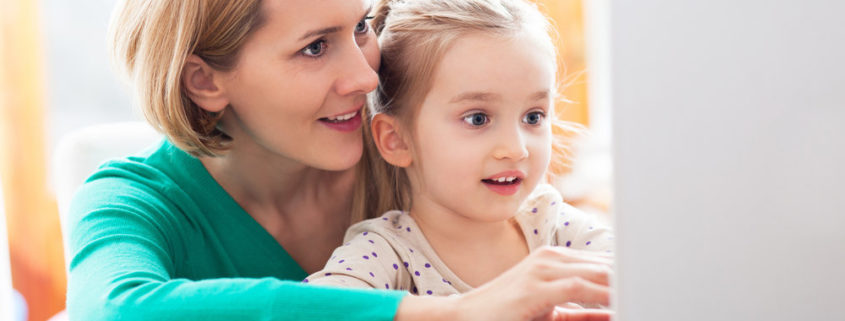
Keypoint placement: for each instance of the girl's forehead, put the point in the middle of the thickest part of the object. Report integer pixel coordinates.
(484, 67)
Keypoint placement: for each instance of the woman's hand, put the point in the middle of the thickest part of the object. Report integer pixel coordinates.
(531, 290)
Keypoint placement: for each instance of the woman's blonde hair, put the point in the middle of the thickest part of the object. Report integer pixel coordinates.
(414, 36)
(150, 42)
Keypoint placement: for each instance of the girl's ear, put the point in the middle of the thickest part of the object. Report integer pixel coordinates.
(202, 84)
(391, 144)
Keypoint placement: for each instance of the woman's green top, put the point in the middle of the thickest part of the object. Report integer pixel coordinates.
(154, 237)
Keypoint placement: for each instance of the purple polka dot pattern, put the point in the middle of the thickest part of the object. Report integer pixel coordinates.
(419, 283)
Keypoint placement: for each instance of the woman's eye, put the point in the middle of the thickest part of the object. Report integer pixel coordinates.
(476, 119)
(533, 118)
(315, 49)
(362, 26)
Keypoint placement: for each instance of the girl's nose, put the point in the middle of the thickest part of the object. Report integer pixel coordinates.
(511, 145)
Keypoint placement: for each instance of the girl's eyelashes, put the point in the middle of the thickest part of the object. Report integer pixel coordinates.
(534, 117)
(315, 49)
(476, 119)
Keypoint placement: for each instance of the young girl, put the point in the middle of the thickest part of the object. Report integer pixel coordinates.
(463, 116)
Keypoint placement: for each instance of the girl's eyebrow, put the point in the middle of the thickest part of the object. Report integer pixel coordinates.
(475, 96)
(332, 29)
(489, 96)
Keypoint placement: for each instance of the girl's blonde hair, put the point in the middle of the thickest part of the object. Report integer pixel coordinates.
(414, 36)
(150, 41)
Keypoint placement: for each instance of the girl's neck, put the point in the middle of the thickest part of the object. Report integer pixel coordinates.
(476, 251)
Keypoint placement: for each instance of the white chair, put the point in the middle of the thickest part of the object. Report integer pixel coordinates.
(79, 153)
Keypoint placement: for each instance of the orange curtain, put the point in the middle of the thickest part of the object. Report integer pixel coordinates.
(32, 216)
(567, 16)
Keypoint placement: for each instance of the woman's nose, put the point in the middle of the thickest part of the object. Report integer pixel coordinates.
(356, 76)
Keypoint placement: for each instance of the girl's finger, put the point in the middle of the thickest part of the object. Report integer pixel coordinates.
(579, 290)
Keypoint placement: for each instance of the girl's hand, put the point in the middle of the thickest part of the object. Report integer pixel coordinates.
(550, 276)
(531, 290)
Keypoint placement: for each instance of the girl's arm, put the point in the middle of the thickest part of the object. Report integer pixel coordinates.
(530, 290)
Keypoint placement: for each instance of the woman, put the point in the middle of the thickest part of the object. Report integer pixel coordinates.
(261, 104)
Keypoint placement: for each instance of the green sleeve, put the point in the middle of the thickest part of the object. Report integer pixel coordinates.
(121, 269)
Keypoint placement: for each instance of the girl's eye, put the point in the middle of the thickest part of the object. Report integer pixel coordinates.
(476, 119)
(362, 26)
(534, 118)
(315, 49)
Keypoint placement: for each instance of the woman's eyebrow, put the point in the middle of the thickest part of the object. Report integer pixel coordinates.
(320, 32)
(332, 29)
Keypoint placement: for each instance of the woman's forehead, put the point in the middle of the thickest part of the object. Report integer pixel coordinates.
(296, 19)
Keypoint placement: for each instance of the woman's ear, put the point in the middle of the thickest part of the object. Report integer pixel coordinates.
(202, 84)
(391, 144)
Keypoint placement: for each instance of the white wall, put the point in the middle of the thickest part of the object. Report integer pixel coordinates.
(81, 87)
(729, 153)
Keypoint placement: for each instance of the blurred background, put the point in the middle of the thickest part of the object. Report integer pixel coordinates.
(55, 78)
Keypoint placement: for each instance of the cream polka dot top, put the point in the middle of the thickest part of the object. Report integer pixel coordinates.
(390, 252)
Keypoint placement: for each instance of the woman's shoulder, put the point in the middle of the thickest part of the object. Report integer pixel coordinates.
(148, 183)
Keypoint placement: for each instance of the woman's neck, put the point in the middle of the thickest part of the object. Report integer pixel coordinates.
(306, 210)
(258, 179)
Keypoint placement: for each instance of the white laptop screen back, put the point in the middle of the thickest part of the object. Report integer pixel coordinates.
(729, 156)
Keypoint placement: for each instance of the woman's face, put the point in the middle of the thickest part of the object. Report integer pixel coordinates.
(300, 83)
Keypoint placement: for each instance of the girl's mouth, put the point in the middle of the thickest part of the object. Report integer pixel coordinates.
(506, 185)
(510, 180)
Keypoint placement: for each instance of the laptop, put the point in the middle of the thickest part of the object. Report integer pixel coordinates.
(728, 126)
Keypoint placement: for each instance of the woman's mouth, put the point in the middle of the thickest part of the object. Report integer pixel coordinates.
(346, 123)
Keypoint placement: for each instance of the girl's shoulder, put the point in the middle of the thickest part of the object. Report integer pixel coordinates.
(546, 219)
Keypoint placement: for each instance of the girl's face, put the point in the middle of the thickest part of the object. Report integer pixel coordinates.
(301, 81)
(482, 137)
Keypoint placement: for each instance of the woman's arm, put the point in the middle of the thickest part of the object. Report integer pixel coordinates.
(122, 269)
